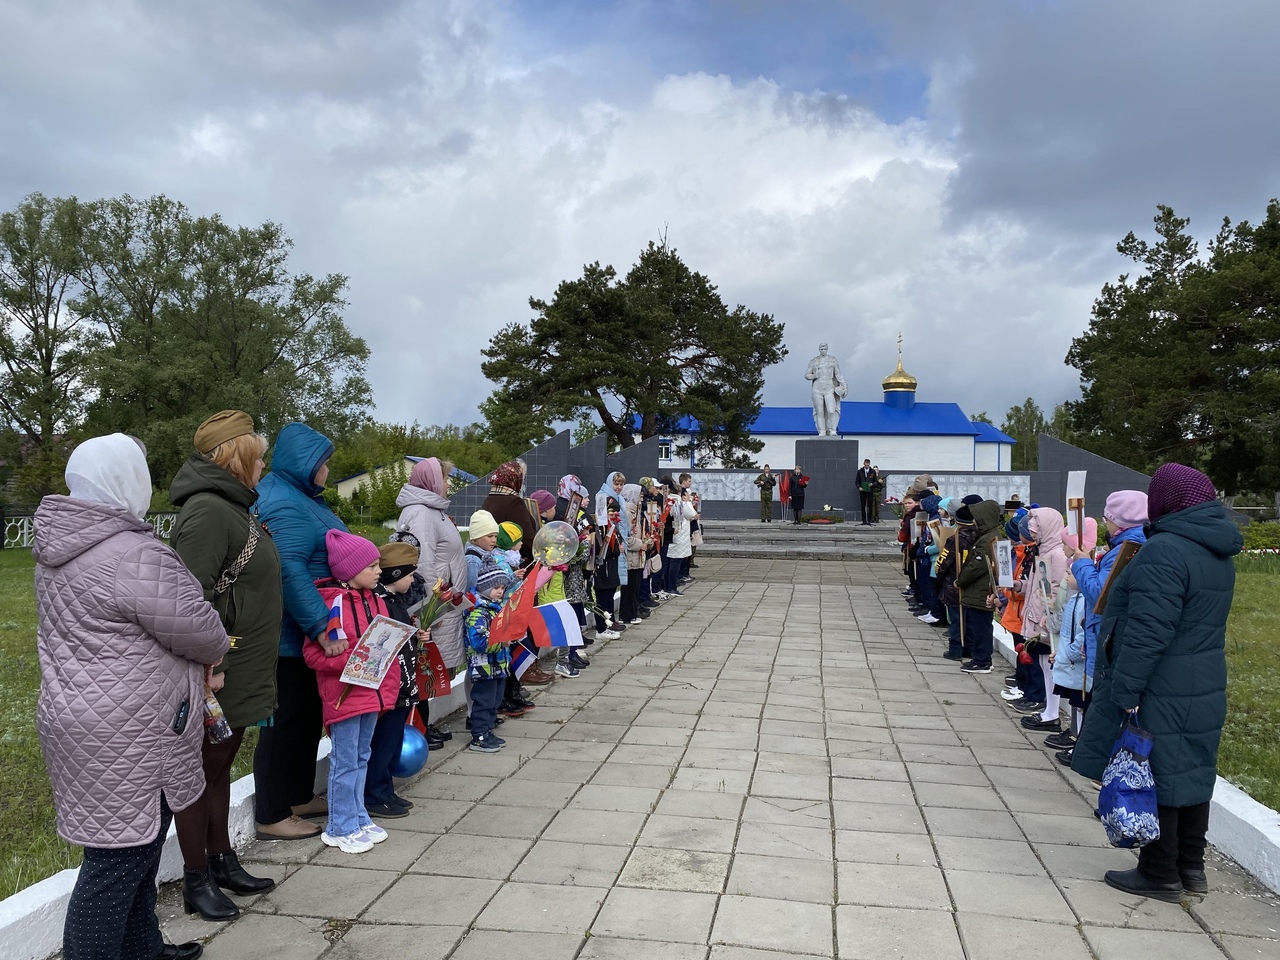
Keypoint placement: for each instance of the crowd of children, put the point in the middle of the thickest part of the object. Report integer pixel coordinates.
(636, 546)
(1051, 611)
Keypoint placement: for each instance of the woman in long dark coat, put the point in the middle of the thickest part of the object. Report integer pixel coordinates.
(1162, 653)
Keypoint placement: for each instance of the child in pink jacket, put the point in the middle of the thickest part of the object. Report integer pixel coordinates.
(350, 711)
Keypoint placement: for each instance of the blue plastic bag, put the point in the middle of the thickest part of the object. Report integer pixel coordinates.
(1127, 800)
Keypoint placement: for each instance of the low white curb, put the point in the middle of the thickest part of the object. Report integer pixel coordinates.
(1239, 826)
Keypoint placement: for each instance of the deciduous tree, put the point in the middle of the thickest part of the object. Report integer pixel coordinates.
(639, 354)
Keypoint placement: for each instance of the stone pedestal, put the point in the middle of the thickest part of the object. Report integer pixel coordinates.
(832, 466)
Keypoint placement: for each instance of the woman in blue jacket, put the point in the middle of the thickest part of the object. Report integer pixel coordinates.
(1163, 655)
(292, 509)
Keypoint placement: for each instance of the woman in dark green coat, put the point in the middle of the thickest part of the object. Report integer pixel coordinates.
(214, 491)
(1161, 649)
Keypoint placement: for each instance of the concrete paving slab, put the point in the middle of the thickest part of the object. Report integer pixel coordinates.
(660, 915)
(782, 878)
(462, 855)
(542, 908)
(572, 863)
(878, 933)
(783, 925)
(669, 869)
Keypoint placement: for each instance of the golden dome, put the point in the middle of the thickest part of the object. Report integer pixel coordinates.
(899, 380)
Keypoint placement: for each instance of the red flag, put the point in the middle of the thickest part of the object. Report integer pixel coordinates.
(439, 680)
(784, 487)
(513, 620)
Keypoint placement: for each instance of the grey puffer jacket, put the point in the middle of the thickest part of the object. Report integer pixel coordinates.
(426, 515)
(124, 631)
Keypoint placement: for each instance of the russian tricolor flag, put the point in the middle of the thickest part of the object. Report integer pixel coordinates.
(521, 659)
(334, 631)
(555, 625)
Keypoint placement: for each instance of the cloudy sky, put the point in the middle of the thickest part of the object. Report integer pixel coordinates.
(959, 171)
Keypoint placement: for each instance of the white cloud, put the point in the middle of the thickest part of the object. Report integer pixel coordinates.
(420, 149)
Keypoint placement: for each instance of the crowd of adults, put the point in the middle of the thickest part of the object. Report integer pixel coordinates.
(1134, 627)
(142, 644)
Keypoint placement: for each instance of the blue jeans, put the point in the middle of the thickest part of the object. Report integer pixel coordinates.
(348, 768)
(486, 697)
(672, 571)
(384, 753)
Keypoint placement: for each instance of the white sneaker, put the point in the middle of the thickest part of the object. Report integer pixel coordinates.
(373, 833)
(927, 618)
(634, 621)
(607, 635)
(1011, 693)
(352, 843)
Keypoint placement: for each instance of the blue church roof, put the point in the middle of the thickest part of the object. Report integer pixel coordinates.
(870, 418)
(989, 434)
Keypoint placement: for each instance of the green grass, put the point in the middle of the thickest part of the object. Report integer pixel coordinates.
(32, 850)
(1249, 757)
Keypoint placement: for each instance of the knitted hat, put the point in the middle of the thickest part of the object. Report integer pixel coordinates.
(220, 428)
(481, 524)
(950, 505)
(971, 499)
(348, 554)
(545, 499)
(397, 559)
(964, 516)
(1090, 536)
(1011, 529)
(1175, 487)
(1126, 509)
(509, 534)
(930, 503)
(491, 575)
(1024, 527)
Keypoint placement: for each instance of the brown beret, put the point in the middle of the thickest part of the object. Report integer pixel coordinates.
(220, 428)
(397, 555)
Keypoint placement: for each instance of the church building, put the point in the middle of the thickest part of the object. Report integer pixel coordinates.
(897, 433)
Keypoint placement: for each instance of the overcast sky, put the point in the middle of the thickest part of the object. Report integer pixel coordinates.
(959, 171)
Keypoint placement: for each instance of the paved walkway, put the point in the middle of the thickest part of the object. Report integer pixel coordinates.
(780, 764)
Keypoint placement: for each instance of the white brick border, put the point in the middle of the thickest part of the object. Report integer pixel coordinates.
(1239, 826)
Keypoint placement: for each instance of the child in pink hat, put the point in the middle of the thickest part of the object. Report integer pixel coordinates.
(350, 711)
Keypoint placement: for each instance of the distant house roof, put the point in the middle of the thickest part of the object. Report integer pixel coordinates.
(989, 434)
(868, 418)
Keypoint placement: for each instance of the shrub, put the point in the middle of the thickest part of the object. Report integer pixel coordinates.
(1262, 536)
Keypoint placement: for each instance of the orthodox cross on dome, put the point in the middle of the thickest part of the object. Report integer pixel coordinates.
(899, 380)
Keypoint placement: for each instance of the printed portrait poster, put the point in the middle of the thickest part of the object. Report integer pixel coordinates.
(1004, 563)
(375, 651)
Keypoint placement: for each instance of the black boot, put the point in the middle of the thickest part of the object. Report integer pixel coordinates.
(1135, 882)
(229, 875)
(200, 894)
(180, 951)
(1194, 881)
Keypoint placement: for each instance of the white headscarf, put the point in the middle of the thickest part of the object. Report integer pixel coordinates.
(111, 470)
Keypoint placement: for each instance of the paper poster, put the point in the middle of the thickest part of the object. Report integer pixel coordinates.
(375, 651)
(1075, 500)
(1004, 563)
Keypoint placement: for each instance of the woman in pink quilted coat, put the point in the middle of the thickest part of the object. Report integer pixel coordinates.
(126, 640)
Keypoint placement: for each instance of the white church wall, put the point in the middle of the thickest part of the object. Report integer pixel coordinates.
(917, 453)
(991, 456)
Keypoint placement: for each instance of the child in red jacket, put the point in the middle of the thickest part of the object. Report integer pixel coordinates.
(350, 711)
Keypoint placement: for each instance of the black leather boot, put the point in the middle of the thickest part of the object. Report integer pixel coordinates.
(200, 894)
(229, 875)
(1135, 882)
(180, 951)
(1194, 880)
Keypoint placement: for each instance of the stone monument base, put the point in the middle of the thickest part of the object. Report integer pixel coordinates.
(831, 463)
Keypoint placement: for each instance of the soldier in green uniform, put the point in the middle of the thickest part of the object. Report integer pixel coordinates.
(766, 482)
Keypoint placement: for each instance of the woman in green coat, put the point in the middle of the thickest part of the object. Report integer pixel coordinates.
(1162, 649)
(214, 491)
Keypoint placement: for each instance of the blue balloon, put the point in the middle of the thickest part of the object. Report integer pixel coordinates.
(413, 753)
